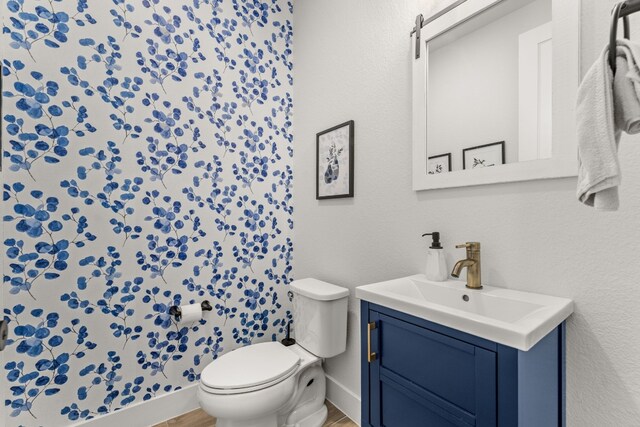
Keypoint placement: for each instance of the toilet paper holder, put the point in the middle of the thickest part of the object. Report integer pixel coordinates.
(177, 313)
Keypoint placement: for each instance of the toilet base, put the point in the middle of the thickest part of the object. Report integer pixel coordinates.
(316, 419)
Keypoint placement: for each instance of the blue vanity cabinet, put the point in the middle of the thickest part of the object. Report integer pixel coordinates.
(416, 373)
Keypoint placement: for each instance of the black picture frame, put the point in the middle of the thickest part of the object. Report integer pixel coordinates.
(447, 155)
(464, 152)
(351, 125)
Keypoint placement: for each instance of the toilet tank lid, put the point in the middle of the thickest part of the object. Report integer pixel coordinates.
(318, 290)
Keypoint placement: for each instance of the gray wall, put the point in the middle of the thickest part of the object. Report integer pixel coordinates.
(352, 62)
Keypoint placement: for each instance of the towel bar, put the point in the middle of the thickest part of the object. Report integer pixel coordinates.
(620, 10)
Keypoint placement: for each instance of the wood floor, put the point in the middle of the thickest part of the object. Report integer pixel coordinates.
(199, 418)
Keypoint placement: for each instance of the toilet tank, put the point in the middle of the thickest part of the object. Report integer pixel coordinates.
(320, 316)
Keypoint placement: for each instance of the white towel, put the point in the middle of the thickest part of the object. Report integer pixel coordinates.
(604, 110)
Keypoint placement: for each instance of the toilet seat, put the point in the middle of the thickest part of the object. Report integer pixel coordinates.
(249, 368)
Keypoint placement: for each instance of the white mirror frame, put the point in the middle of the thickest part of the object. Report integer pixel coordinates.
(566, 78)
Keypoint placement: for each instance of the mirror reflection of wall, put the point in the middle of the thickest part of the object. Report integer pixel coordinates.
(489, 89)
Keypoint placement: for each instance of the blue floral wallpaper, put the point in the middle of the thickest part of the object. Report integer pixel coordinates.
(147, 163)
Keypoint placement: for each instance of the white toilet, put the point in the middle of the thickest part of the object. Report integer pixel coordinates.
(270, 385)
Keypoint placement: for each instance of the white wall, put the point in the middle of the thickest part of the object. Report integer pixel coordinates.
(352, 62)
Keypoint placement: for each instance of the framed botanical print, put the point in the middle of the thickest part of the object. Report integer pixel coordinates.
(483, 156)
(439, 164)
(334, 162)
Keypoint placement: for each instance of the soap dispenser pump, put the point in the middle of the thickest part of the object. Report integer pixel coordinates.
(436, 264)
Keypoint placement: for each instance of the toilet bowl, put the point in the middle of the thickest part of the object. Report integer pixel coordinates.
(270, 385)
(289, 375)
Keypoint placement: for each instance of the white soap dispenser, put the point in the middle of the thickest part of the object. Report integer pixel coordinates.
(436, 264)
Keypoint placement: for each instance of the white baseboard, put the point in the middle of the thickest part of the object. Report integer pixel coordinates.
(344, 399)
(150, 412)
(170, 405)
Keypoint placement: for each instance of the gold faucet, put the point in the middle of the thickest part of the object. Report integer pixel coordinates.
(472, 262)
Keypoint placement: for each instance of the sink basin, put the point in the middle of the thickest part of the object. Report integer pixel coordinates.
(513, 318)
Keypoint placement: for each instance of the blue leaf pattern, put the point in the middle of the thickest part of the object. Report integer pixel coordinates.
(147, 163)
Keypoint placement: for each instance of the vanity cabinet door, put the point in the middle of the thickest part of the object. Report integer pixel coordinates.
(423, 378)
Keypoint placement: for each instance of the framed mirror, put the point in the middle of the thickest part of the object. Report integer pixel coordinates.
(494, 91)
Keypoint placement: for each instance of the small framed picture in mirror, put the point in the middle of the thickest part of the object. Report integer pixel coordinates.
(483, 156)
(439, 164)
(334, 162)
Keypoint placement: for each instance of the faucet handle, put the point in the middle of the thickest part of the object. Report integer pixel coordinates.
(473, 246)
